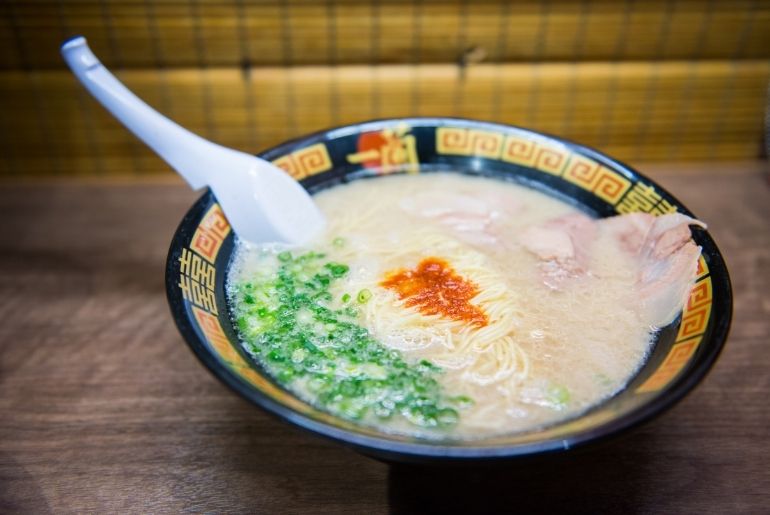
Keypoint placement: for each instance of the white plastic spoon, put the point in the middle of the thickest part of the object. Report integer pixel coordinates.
(261, 201)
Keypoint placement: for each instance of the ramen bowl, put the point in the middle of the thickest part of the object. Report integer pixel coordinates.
(682, 352)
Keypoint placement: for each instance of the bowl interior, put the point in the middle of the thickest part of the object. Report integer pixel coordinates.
(684, 350)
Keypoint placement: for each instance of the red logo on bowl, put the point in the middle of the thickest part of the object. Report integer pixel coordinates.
(387, 151)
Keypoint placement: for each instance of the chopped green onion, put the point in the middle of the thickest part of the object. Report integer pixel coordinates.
(447, 417)
(463, 401)
(298, 355)
(288, 321)
(363, 296)
(603, 379)
(559, 395)
(337, 269)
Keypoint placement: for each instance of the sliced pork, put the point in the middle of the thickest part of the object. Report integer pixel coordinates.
(661, 247)
(563, 244)
(667, 258)
(473, 219)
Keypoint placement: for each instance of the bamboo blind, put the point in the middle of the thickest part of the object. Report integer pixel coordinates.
(640, 80)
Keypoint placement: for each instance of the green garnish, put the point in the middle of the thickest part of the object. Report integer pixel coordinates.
(462, 401)
(288, 322)
(363, 296)
(603, 379)
(336, 269)
(559, 396)
(338, 242)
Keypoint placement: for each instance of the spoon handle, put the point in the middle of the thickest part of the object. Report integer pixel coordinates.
(179, 147)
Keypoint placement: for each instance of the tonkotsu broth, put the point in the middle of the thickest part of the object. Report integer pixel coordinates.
(544, 355)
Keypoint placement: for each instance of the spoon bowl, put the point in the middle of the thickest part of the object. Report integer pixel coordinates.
(261, 201)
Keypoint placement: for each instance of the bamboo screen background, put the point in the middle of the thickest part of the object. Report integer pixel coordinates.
(640, 80)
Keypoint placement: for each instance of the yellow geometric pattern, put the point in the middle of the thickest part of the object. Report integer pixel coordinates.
(695, 318)
(551, 160)
(196, 280)
(305, 161)
(197, 274)
(703, 268)
(608, 185)
(210, 234)
(485, 143)
(582, 171)
(558, 160)
(469, 142)
(520, 151)
(209, 325)
(452, 141)
(677, 358)
(644, 198)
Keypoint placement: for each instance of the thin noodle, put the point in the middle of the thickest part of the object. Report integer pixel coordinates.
(487, 355)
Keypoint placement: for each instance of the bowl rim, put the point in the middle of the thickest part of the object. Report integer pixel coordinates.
(435, 451)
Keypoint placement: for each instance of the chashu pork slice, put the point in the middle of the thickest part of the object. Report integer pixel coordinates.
(471, 218)
(563, 245)
(663, 253)
(667, 258)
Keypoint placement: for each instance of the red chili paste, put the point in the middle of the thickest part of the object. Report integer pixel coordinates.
(435, 289)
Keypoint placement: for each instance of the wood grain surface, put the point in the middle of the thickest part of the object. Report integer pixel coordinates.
(103, 409)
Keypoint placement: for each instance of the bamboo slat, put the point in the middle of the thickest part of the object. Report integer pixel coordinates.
(632, 110)
(174, 33)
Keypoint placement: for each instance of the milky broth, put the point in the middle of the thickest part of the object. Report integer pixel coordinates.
(562, 352)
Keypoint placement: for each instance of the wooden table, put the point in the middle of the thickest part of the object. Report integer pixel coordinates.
(104, 409)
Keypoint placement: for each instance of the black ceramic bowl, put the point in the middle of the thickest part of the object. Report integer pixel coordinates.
(683, 353)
